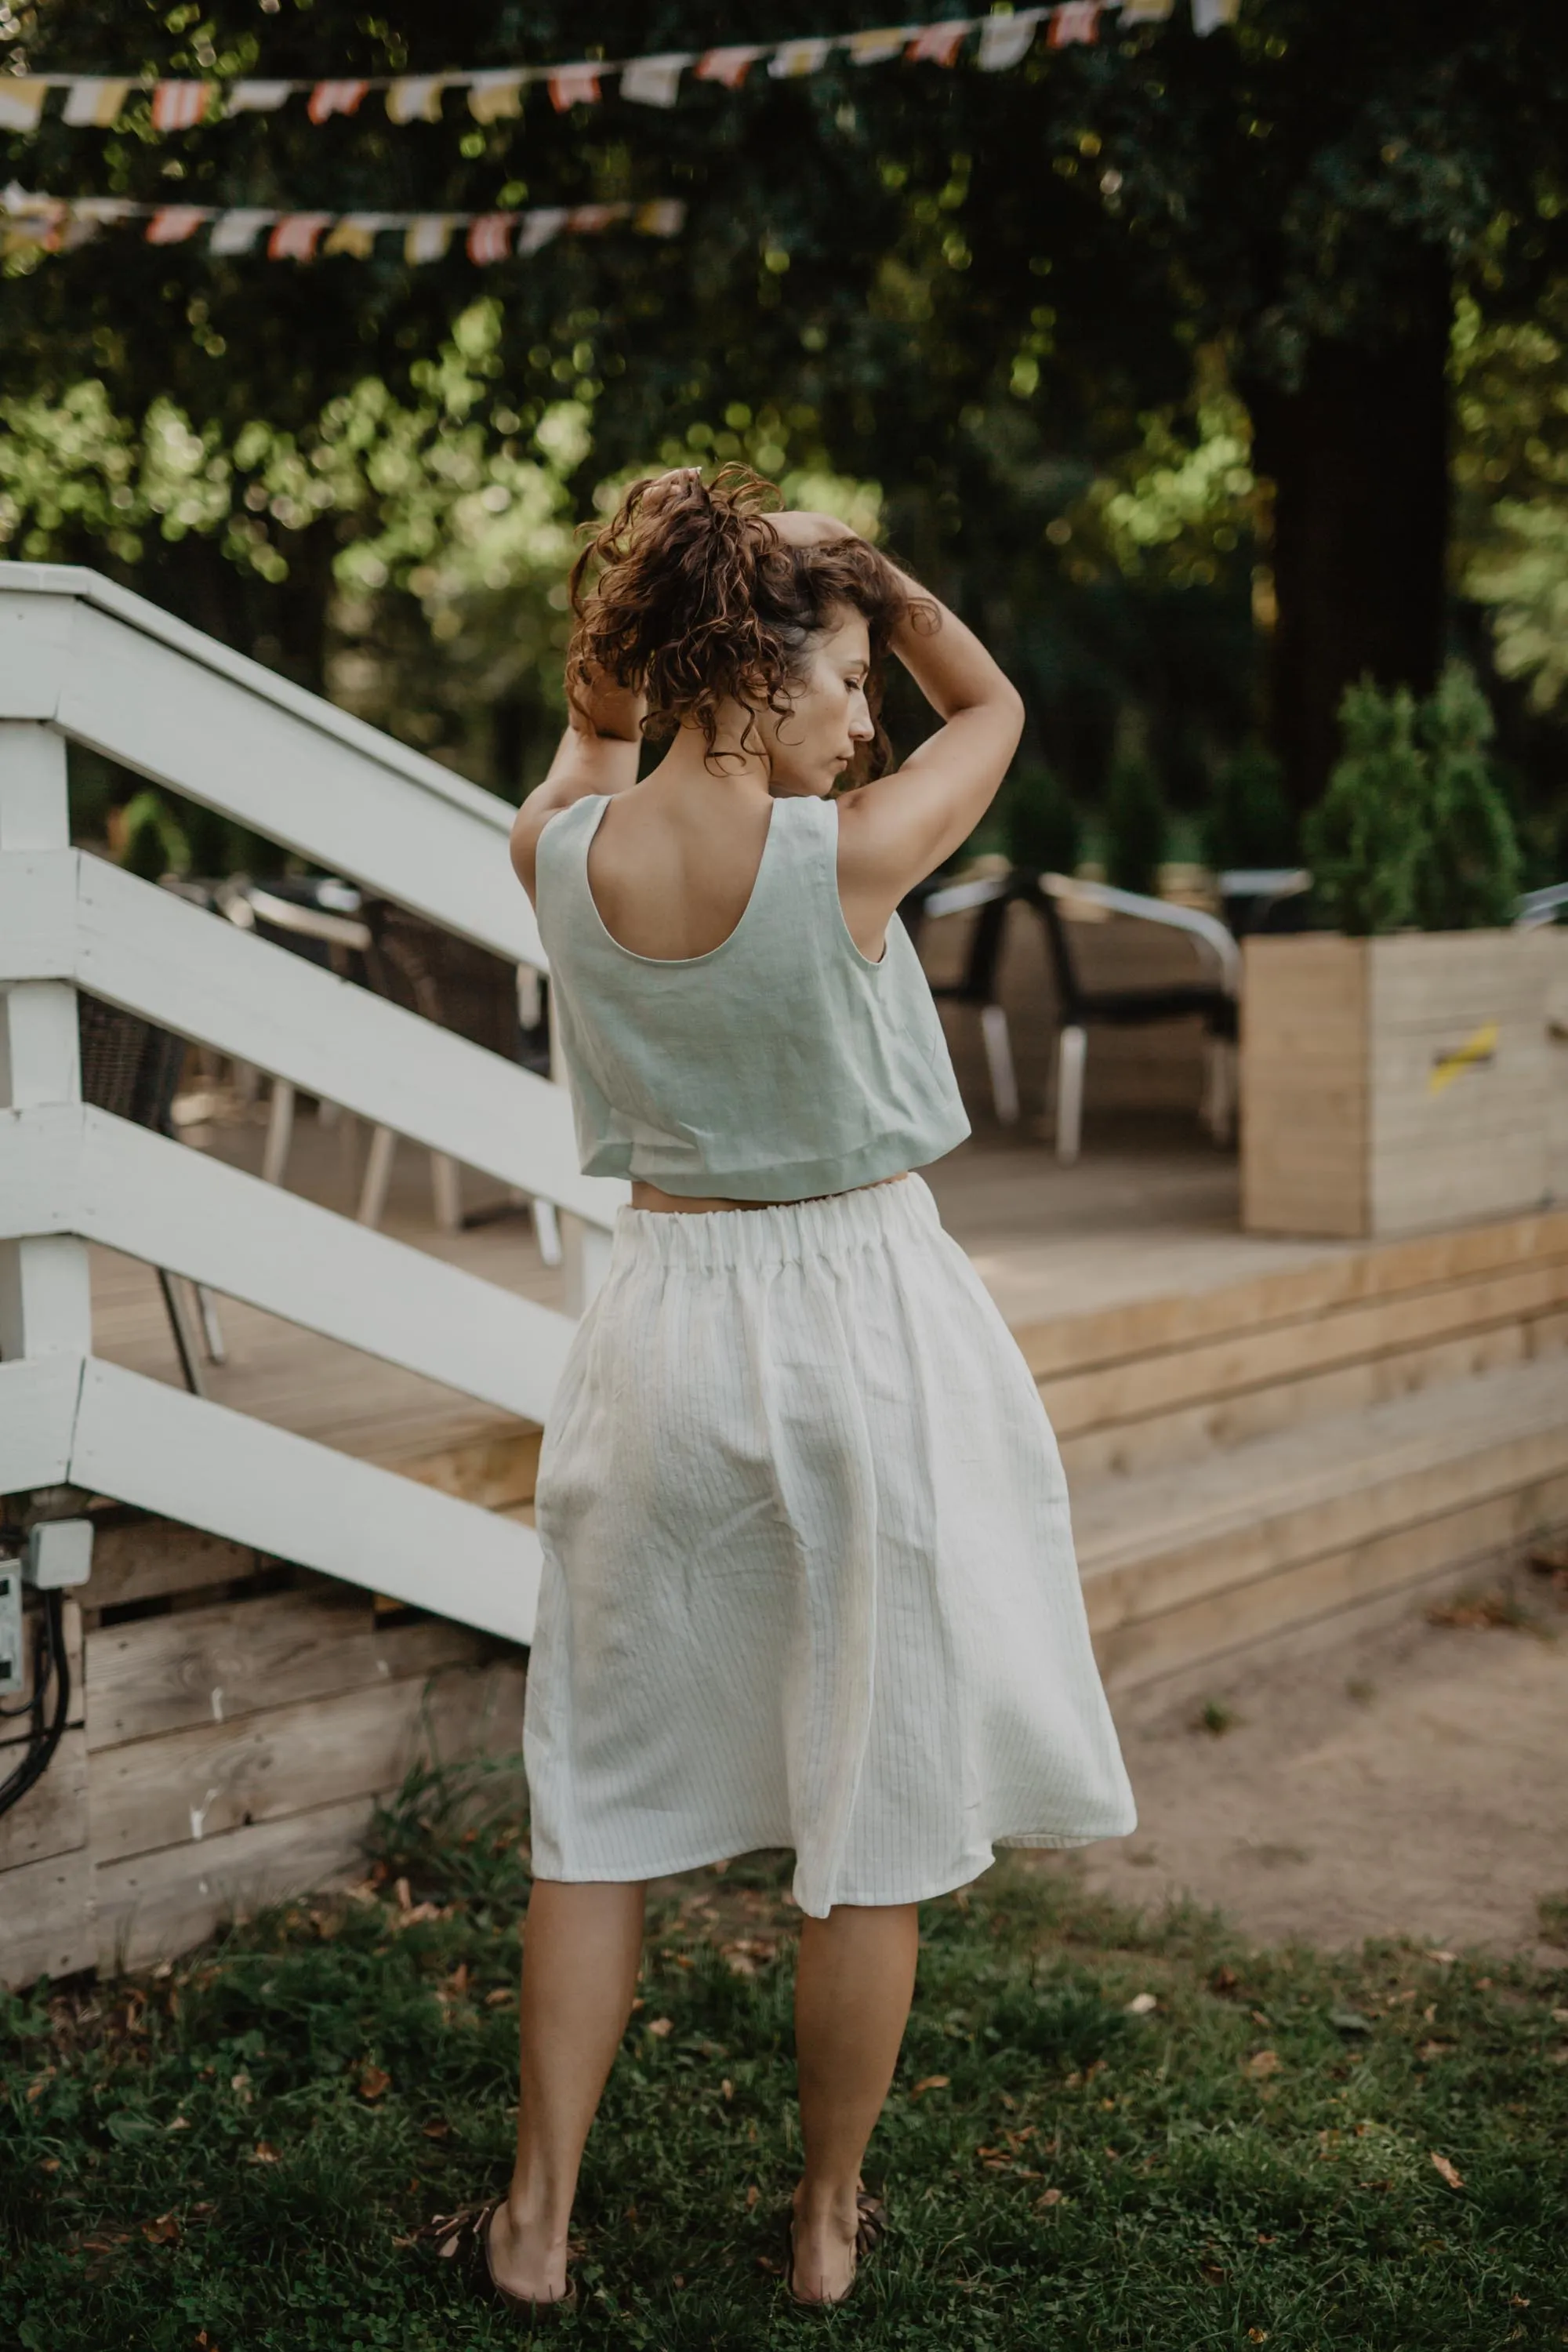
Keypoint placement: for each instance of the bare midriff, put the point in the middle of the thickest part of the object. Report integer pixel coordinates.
(648, 1196)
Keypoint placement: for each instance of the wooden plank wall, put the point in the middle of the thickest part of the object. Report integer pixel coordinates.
(231, 1726)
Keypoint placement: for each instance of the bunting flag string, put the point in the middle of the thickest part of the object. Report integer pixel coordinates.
(60, 223)
(96, 102)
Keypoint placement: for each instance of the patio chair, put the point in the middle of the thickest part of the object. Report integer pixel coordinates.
(1080, 1007)
(1539, 907)
(988, 897)
(480, 996)
(131, 1068)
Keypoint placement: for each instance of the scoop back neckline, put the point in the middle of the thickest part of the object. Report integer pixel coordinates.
(679, 964)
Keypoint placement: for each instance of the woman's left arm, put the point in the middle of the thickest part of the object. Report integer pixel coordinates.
(598, 753)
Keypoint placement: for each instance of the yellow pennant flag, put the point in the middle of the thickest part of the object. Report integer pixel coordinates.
(493, 95)
(94, 104)
(21, 102)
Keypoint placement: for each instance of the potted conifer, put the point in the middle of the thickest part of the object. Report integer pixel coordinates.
(1398, 1072)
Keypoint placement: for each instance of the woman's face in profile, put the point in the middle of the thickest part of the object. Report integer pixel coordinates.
(810, 745)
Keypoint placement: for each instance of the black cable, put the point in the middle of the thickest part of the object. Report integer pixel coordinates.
(48, 1659)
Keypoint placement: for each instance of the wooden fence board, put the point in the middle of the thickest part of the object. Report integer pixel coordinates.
(216, 1666)
(153, 1905)
(186, 1787)
(48, 1918)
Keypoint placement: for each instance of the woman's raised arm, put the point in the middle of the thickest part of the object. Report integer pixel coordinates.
(899, 828)
(598, 753)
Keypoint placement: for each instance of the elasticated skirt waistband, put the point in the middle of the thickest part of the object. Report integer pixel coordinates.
(713, 1240)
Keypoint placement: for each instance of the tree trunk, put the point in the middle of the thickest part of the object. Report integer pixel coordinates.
(1359, 458)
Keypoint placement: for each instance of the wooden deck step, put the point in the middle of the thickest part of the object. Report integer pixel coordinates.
(1133, 1390)
(1185, 1565)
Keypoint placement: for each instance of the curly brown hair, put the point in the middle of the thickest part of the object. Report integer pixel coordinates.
(693, 599)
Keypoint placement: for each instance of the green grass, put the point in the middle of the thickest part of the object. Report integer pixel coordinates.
(241, 2153)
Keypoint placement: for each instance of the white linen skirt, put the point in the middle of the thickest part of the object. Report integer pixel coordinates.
(809, 1575)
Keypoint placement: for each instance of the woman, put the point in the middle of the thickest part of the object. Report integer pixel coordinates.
(809, 1573)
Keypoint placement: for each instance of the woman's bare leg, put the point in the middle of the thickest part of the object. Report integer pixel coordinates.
(582, 1946)
(855, 1982)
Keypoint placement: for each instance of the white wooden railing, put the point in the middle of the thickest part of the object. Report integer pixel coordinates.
(84, 661)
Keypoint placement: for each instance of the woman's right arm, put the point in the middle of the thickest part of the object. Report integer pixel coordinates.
(893, 832)
(598, 753)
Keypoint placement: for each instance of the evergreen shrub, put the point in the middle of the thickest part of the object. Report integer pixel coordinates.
(1137, 826)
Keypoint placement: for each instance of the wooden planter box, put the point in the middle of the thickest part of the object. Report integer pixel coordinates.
(1392, 1085)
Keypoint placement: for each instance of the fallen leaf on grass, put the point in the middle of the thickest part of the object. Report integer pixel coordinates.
(1142, 2003)
(1050, 2197)
(496, 1999)
(1350, 2021)
(1449, 2170)
(50, 2164)
(929, 2083)
(1430, 2050)
(263, 2153)
(1257, 2336)
(375, 2083)
(436, 2129)
(663, 2027)
(164, 2232)
(1262, 2064)
(753, 2193)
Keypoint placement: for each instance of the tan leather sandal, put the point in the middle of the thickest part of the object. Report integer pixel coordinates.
(537, 2314)
(869, 2229)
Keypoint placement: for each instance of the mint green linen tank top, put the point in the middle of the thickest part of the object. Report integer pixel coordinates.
(780, 1065)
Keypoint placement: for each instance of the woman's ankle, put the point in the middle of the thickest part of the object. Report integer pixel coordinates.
(826, 2204)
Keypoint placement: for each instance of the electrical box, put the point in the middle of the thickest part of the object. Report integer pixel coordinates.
(12, 1667)
(59, 1554)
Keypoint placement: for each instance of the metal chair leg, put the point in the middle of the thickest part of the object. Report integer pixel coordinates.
(212, 1329)
(177, 1309)
(279, 1131)
(999, 1062)
(447, 1191)
(1218, 1110)
(1071, 1047)
(377, 1176)
(547, 1232)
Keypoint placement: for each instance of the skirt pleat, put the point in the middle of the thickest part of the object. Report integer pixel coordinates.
(809, 1575)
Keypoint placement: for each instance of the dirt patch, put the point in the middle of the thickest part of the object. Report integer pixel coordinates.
(1415, 1783)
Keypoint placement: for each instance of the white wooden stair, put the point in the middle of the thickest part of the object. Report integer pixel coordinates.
(84, 661)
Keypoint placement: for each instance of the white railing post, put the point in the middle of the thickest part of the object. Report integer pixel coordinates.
(46, 1303)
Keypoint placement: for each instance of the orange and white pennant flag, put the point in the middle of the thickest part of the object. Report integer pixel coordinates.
(1209, 14)
(257, 97)
(295, 236)
(330, 98)
(879, 49)
(539, 226)
(1074, 21)
(939, 45)
(730, 66)
(490, 236)
(180, 105)
(492, 95)
(1007, 40)
(415, 99)
(793, 58)
(654, 82)
(573, 86)
(173, 223)
(236, 231)
(93, 103)
(588, 219)
(21, 102)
